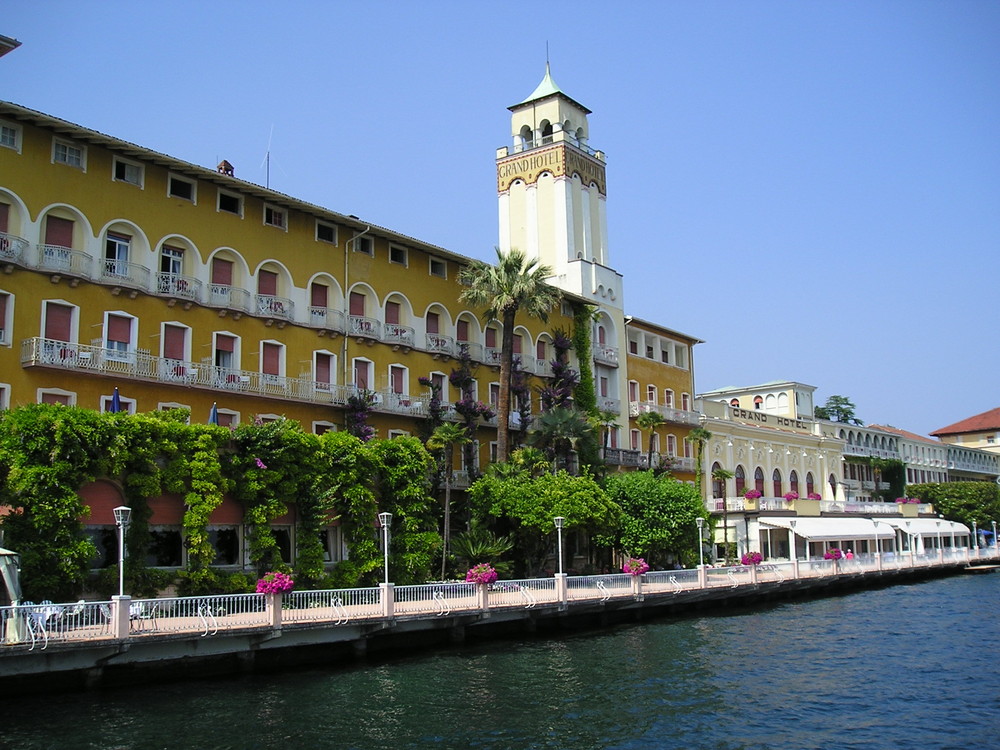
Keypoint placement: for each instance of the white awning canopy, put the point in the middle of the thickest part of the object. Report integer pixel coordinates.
(927, 526)
(832, 529)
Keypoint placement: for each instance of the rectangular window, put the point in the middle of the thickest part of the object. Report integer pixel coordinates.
(668, 397)
(397, 380)
(319, 294)
(651, 394)
(64, 152)
(51, 397)
(267, 283)
(433, 322)
(462, 330)
(326, 233)
(5, 308)
(323, 370)
(10, 136)
(119, 336)
(491, 338)
(222, 271)
(364, 245)
(633, 347)
(128, 171)
(231, 203)
(362, 374)
(178, 187)
(271, 359)
(225, 351)
(357, 304)
(439, 268)
(635, 442)
(116, 248)
(397, 254)
(275, 217)
(392, 313)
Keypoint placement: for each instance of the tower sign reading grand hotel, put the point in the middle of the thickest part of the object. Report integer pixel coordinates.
(558, 160)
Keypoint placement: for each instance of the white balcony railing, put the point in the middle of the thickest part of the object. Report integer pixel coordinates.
(678, 416)
(438, 344)
(328, 318)
(58, 259)
(393, 333)
(607, 355)
(13, 248)
(181, 287)
(230, 297)
(269, 306)
(124, 273)
(358, 325)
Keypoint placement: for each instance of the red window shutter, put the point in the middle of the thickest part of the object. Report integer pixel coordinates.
(319, 294)
(58, 231)
(3, 310)
(491, 338)
(55, 398)
(267, 283)
(602, 336)
(222, 271)
(463, 330)
(397, 379)
(357, 304)
(226, 420)
(58, 321)
(272, 359)
(322, 368)
(540, 350)
(517, 344)
(433, 322)
(361, 374)
(604, 387)
(174, 338)
(392, 313)
(4, 212)
(119, 329)
(225, 343)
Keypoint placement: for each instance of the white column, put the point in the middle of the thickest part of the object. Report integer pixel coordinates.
(531, 221)
(503, 201)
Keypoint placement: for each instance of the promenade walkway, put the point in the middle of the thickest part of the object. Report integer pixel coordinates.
(78, 642)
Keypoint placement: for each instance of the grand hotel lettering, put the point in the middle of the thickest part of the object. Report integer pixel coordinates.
(556, 160)
(746, 415)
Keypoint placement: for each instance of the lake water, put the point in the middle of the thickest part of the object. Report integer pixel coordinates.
(913, 666)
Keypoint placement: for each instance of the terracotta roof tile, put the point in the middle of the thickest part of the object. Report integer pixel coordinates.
(988, 420)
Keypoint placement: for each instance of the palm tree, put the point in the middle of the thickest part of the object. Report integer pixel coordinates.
(650, 420)
(444, 439)
(722, 476)
(557, 432)
(699, 436)
(605, 421)
(514, 284)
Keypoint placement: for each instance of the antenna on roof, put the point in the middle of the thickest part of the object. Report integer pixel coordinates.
(267, 160)
(546, 54)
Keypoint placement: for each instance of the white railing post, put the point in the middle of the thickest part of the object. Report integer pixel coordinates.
(637, 588)
(753, 575)
(795, 565)
(120, 616)
(562, 595)
(387, 593)
(482, 597)
(703, 576)
(272, 604)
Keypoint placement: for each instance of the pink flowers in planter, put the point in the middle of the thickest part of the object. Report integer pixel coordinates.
(482, 573)
(752, 494)
(275, 583)
(834, 553)
(791, 496)
(908, 500)
(751, 558)
(635, 566)
(814, 496)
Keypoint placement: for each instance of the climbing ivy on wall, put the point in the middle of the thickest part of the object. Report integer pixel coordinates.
(586, 396)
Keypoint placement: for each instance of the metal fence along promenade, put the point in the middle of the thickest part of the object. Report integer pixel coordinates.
(31, 627)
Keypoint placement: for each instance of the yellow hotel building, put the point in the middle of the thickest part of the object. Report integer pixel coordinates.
(185, 286)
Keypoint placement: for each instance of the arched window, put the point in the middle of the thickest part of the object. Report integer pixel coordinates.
(527, 140)
(758, 402)
(833, 485)
(809, 484)
(758, 480)
(793, 482)
(546, 131)
(776, 481)
(734, 402)
(741, 480)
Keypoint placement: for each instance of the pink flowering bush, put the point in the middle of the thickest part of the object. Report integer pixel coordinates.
(834, 553)
(482, 573)
(635, 566)
(791, 496)
(752, 494)
(751, 558)
(275, 583)
(815, 496)
(908, 500)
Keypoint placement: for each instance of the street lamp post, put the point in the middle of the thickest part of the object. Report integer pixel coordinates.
(385, 519)
(559, 520)
(940, 548)
(909, 541)
(123, 514)
(701, 541)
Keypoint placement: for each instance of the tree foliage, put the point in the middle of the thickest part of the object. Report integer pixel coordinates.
(837, 409)
(524, 507)
(657, 517)
(965, 502)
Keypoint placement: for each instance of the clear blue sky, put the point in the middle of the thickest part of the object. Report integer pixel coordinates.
(813, 188)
